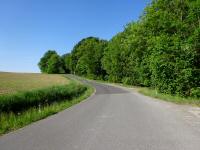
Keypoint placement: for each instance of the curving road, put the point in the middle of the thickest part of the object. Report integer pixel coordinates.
(112, 119)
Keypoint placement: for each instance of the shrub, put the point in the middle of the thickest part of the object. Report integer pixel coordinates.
(128, 81)
(195, 92)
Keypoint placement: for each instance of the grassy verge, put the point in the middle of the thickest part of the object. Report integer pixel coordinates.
(12, 121)
(169, 98)
(155, 94)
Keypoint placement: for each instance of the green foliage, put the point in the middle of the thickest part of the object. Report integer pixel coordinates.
(55, 64)
(67, 63)
(172, 57)
(124, 55)
(128, 81)
(11, 121)
(43, 64)
(160, 50)
(51, 63)
(195, 92)
(86, 57)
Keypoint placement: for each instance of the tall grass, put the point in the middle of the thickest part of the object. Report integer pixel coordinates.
(11, 121)
(21, 107)
(24, 100)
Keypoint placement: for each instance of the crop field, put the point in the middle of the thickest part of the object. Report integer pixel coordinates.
(15, 82)
(26, 98)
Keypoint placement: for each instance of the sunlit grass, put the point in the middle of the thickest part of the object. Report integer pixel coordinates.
(26, 98)
(11, 121)
(20, 101)
(170, 98)
(15, 82)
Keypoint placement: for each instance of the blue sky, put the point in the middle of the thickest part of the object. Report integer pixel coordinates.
(28, 28)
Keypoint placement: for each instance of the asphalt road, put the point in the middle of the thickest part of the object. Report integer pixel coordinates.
(112, 119)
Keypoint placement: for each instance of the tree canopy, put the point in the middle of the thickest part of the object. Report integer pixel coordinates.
(161, 50)
(51, 62)
(86, 57)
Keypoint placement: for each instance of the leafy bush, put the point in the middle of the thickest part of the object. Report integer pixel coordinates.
(128, 80)
(195, 92)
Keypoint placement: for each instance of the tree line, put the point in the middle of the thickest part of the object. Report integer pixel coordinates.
(161, 50)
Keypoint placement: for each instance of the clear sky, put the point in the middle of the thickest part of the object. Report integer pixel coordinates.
(28, 28)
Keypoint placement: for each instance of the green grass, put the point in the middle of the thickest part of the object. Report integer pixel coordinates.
(24, 100)
(11, 121)
(18, 82)
(22, 107)
(170, 98)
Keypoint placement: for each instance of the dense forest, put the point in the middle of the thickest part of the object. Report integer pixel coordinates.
(161, 50)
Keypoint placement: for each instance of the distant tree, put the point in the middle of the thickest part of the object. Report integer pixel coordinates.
(86, 57)
(43, 64)
(55, 64)
(66, 58)
(51, 62)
